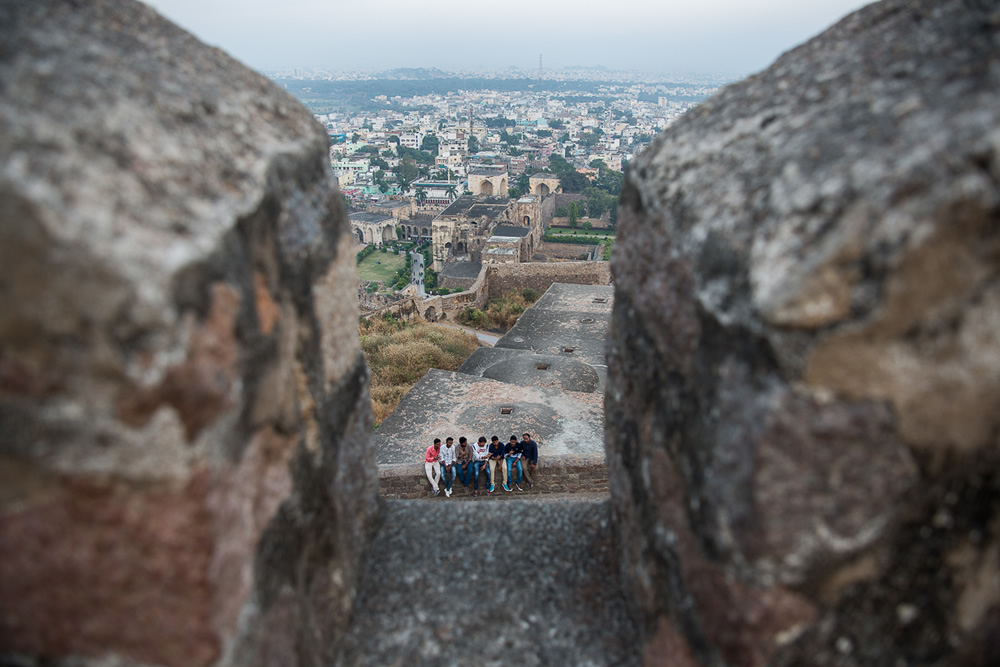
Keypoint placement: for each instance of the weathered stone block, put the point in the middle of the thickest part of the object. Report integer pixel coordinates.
(183, 404)
(804, 369)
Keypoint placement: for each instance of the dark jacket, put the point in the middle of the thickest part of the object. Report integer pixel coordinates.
(530, 449)
(496, 450)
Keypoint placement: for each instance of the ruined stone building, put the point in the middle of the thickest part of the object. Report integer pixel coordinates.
(400, 209)
(488, 180)
(542, 184)
(374, 228)
(800, 394)
(465, 230)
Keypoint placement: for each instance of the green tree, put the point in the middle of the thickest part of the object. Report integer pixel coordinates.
(523, 182)
(513, 192)
(557, 124)
(596, 206)
(559, 165)
(430, 144)
(588, 225)
(573, 181)
(564, 137)
(355, 138)
(610, 181)
(421, 195)
(598, 164)
(574, 214)
(406, 172)
(451, 192)
(393, 139)
(591, 138)
(473, 144)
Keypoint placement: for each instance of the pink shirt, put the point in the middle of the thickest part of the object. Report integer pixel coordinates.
(431, 455)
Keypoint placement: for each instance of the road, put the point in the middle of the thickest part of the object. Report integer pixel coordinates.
(485, 338)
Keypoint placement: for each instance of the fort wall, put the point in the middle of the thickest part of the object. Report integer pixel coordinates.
(494, 280)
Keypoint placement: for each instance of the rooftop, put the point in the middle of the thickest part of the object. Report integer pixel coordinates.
(461, 269)
(392, 203)
(487, 170)
(569, 320)
(477, 207)
(511, 230)
(370, 217)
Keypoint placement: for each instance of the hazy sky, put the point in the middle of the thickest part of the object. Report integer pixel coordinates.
(731, 36)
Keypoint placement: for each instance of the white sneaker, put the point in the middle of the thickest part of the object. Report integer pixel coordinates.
(437, 491)
(447, 493)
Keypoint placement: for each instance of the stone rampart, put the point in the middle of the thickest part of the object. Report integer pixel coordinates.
(804, 365)
(494, 280)
(561, 474)
(185, 476)
(540, 276)
(566, 252)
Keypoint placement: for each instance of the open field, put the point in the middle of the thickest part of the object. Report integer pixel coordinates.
(370, 269)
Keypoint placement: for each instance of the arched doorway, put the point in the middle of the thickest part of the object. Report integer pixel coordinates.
(360, 235)
(527, 221)
(430, 314)
(541, 189)
(386, 233)
(486, 189)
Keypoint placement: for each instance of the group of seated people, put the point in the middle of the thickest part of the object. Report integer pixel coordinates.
(466, 462)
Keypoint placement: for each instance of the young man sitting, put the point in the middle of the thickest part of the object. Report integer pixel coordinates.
(480, 460)
(431, 468)
(447, 462)
(463, 458)
(512, 452)
(496, 460)
(529, 458)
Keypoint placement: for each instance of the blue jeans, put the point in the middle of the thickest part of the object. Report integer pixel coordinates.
(464, 473)
(448, 477)
(477, 466)
(520, 471)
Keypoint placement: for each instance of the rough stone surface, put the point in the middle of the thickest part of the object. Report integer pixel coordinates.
(446, 404)
(804, 366)
(519, 583)
(184, 470)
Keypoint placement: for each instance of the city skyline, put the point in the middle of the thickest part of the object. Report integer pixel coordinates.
(726, 36)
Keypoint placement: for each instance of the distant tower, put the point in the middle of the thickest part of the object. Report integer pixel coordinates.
(539, 66)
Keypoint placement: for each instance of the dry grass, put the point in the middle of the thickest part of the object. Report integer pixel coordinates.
(502, 312)
(400, 353)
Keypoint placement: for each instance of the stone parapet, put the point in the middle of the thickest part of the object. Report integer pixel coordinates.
(562, 474)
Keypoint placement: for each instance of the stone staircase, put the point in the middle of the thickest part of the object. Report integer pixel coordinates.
(521, 583)
(567, 474)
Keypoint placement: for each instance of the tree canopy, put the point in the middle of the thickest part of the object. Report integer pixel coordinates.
(430, 144)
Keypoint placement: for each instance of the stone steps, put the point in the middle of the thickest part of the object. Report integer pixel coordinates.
(529, 583)
(555, 475)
